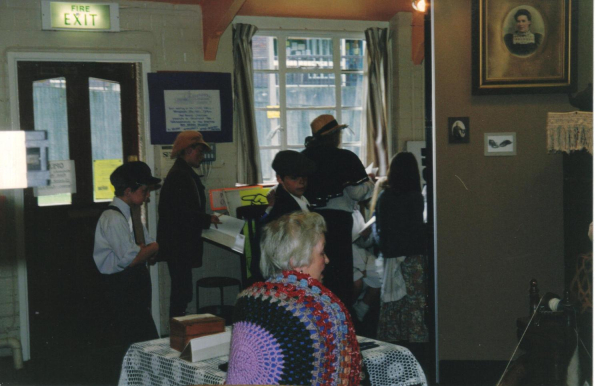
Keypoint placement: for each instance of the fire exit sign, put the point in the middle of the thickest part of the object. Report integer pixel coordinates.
(80, 16)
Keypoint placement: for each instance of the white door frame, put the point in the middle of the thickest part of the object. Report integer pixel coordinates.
(147, 152)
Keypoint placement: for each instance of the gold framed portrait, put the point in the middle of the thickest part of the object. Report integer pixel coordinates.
(524, 46)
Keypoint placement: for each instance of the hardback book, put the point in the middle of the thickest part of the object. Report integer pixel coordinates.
(227, 234)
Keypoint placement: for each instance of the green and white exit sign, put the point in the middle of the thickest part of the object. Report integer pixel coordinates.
(80, 16)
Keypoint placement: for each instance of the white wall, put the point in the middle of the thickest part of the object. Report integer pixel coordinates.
(407, 117)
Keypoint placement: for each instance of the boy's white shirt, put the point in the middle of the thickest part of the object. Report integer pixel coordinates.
(302, 201)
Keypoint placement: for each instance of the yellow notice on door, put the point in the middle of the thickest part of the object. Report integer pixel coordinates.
(103, 189)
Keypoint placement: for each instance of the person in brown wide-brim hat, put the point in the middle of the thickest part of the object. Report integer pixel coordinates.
(186, 139)
(323, 126)
(182, 217)
(338, 182)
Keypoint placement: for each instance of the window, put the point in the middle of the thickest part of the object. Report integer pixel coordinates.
(320, 75)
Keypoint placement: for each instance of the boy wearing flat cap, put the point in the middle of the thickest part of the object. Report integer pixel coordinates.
(292, 170)
(123, 262)
(182, 217)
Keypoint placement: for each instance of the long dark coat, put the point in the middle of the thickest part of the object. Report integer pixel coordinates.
(182, 216)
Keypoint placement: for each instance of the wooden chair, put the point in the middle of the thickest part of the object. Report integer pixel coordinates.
(252, 215)
(222, 310)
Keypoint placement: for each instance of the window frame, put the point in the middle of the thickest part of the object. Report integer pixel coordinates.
(282, 35)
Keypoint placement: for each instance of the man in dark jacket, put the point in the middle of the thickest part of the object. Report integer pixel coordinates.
(182, 217)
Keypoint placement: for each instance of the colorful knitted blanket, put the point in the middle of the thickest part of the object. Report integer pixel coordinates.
(291, 330)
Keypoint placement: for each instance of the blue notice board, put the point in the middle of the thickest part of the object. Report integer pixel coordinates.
(199, 101)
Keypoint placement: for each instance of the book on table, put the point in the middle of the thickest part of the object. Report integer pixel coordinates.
(227, 234)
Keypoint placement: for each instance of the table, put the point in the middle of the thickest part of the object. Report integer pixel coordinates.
(155, 363)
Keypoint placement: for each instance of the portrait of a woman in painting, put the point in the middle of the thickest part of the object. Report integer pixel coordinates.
(523, 41)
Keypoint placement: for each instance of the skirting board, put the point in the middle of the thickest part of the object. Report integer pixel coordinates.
(471, 372)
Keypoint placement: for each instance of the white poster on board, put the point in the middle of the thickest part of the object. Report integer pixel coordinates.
(62, 179)
(198, 110)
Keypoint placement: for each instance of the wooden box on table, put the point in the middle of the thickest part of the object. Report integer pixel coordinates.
(186, 328)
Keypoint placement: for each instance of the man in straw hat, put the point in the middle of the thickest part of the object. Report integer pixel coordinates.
(337, 184)
(182, 217)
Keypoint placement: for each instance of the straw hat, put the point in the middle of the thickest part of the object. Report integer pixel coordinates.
(186, 139)
(325, 124)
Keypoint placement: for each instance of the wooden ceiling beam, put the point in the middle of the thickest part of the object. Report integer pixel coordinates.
(216, 17)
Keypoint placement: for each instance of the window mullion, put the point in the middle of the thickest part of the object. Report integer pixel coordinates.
(282, 39)
(338, 78)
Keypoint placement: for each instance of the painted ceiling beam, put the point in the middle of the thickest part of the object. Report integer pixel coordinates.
(218, 14)
(216, 17)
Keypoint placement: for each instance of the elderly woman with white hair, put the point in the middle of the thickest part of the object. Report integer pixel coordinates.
(290, 329)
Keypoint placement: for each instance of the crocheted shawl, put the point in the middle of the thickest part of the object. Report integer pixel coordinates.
(291, 330)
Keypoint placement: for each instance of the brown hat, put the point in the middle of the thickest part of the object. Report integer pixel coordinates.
(186, 139)
(325, 124)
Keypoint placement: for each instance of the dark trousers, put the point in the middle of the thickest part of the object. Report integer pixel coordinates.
(181, 287)
(130, 294)
(339, 272)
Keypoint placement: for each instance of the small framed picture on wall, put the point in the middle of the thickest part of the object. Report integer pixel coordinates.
(499, 144)
(458, 130)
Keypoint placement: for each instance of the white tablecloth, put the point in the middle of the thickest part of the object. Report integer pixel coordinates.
(155, 363)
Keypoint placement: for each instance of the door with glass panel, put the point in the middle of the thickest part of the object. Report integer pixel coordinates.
(89, 111)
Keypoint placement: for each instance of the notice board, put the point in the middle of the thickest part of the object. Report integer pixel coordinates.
(199, 101)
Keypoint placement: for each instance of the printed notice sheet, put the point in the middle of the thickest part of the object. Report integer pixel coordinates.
(103, 168)
(62, 179)
(198, 110)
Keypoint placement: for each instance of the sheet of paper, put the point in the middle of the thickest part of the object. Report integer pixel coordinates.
(207, 347)
(192, 110)
(231, 226)
(103, 189)
(62, 179)
(371, 170)
(240, 241)
(247, 195)
(368, 224)
(217, 199)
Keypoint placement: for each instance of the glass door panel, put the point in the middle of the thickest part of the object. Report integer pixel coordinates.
(105, 126)
(50, 114)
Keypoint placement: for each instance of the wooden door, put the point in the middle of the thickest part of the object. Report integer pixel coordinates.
(89, 111)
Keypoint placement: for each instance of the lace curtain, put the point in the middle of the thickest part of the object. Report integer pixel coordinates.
(570, 131)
